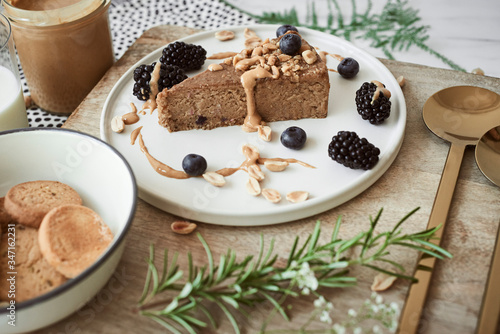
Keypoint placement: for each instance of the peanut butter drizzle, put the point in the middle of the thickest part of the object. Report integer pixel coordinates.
(159, 166)
(380, 88)
(215, 67)
(130, 118)
(248, 80)
(252, 157)
(151, 102)
(134, 134)
(323, 54)
(134, 109)
(261, 161)
(243, 64)
(222, 55)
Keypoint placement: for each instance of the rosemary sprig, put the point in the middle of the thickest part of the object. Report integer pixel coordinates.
(232, 284)
(395, 28)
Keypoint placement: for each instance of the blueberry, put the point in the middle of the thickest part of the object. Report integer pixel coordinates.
(284, 28)
(348, 68)
(290, 44)
(194, 164)
(294, 138)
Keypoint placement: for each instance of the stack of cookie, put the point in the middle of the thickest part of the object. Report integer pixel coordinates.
(56, 237)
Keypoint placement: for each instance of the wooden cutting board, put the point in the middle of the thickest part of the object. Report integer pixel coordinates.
(457, 289)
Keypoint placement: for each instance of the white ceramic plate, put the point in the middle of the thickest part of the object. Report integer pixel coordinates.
(329, 185)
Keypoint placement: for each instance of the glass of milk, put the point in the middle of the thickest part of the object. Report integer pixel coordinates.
(12, 107)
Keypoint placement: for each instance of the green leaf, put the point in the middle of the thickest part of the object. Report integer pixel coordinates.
(208, 315)
(191, 272)
(315, 236)
(148, 275)
(230, 301)
(420, 249)
(220, 272)
(395, 264)
(268, 254)
(165, 265)
(209, 257)
(162, 322)
(229, 316)
(410, 278)
(170, 307)
(188, 287)
(276, 305)
(434, 246)
(195, 321)
(246, 274)
(292, 251)
(183, 323)
(336, 229)
(172, 279)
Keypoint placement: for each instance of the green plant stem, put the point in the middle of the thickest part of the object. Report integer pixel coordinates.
(231, 284)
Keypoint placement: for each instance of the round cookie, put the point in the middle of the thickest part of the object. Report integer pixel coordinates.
(5, 218)
(29, 202)
(33, 274)
(72, 237)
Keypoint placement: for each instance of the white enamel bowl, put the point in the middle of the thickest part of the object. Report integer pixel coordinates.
(106, 184)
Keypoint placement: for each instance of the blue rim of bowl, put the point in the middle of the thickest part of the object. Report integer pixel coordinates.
(75, 281)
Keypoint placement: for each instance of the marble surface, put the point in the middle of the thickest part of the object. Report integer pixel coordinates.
(462, 30)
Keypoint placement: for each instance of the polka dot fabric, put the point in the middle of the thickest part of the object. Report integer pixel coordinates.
(130, 18)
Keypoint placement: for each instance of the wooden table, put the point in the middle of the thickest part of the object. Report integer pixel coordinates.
(457, 288)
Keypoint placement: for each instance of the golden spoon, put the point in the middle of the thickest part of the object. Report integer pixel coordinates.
(459, 115)
(488, 161)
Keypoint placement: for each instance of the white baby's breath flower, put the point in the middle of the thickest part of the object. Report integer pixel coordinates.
(379, 299)
(357, 330)
(394, 325)
(319, 302)
(394, 307)
(339, 329)
(329, 306)
(305, 291)
(352, 313)
(306, 280)
(376, 329)
(325, 317)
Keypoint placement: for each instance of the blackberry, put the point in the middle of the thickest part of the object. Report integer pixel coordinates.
(142, 76)
(186, 56)
(169, 75)
(375, 111)
(348, 149)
